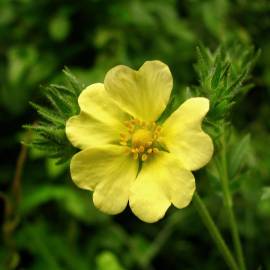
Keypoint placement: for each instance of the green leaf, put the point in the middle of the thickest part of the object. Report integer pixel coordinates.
(217, 74)
(108, 261)
(73, 81)
(53, 169)
(265, 193)
(43, 195)
(222, 76)
(49, 134)
(239, 155)
(48, 114)
(264, 203)
(75, 202)
(59, 27)
(204, 60)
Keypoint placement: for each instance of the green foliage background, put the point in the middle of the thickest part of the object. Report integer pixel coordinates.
(47, 222)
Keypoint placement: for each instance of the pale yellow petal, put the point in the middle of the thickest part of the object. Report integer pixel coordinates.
(109, 171)
(161, 181)
(143, 94)
(99, 122)
(183, 136)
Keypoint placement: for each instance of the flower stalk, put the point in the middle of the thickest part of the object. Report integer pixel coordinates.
(214, 232)
(229, 205)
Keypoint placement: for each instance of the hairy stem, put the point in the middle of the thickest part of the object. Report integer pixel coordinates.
(229, 206)
(214, 232)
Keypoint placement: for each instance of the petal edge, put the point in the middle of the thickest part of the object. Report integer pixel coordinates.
(183, 135)
(109, 171)
(143, 94)
(161, 182)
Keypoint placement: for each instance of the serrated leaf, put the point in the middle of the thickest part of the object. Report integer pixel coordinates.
(232, 90)
(52, 133)
(64, 89)
(75, 84)
(60, 102)
(203, 61)
(217, 74)
(48, 114)
(49, 135)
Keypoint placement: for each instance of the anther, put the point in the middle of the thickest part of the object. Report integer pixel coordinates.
(130, 129)
(135, 121)
(141, 149)
(149, 151)
(130, 126)
(144, 157)
(134, 150)
(155, 150)
(158, 128)
(135, 155)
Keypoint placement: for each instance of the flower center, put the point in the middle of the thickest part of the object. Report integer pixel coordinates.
(141, 138)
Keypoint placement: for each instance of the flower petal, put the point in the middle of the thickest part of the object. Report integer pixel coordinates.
(99, 122)
(183, 136)
(143, 94)
(109, 171)
(161, 181)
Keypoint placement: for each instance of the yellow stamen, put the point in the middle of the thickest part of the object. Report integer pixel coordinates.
(135, 122)
(141, 149)
(140, 137)
(134, 150)
(144, 157)
(158, 129)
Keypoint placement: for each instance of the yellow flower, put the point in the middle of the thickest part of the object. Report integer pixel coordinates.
(126, 156)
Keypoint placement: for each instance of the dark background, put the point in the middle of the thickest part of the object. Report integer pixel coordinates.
(47, 222)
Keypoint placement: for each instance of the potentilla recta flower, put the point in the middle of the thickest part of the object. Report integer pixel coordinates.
(126, 156)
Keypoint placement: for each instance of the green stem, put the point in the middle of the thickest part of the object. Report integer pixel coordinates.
(229, 206)
(159, 241)
(213, 230)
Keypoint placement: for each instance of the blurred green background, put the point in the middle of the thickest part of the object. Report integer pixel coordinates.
(47, 222)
